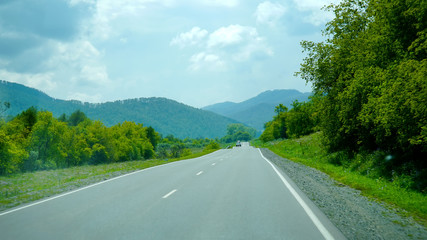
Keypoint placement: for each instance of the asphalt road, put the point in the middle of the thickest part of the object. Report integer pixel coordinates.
(229, 194)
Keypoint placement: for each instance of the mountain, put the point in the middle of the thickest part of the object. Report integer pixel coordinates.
(164, 115)
(256, 111)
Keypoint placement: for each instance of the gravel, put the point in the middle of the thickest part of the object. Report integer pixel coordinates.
(355, 215)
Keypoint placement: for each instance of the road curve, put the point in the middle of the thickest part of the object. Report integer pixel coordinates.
(229, 194)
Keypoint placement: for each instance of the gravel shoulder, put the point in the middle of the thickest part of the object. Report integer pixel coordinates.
(355, 215)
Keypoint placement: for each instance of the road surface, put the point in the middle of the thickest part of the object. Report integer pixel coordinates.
(229, 194)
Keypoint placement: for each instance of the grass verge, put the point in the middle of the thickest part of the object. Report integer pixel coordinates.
(27, 187)
(308, 151)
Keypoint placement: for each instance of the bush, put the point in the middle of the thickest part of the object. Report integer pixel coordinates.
(212, 146)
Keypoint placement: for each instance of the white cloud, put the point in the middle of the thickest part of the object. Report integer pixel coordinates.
(312, 4)
(108, 11)
(221, 3)
(41, 81)
(316, 15)
(224, 46)
(233, 34)
(193, 37)
(255, 48)
(77, 65)
(269, 13)
(245, 42)
(203, 60)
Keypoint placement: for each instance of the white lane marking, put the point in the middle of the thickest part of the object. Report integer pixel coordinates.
(96, 184)
(222, 159)
(77, 190)
(213, 164)
(326, 234)
(170, 193)
(199, 173)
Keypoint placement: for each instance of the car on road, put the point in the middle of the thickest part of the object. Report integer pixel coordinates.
(238, 144)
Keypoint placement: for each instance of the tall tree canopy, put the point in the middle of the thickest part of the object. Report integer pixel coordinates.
(372, 72)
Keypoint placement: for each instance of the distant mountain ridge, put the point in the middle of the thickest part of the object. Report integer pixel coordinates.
(164, 115)
(256, 111)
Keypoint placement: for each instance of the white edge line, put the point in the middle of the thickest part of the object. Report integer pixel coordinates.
(89, 186)
(170, 193)
(326, 234)
(74, 191)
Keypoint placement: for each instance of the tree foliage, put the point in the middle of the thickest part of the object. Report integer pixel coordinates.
(238, 131)
(301, 120)
(372, 74)
(172, 147)
(35, 140)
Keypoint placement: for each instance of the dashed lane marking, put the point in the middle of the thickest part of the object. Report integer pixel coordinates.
(170, 193)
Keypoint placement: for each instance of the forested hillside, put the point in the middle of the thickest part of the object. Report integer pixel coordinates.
(164, 115)
(256, 111)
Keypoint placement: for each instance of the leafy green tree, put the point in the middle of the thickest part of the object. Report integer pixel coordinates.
(212, 146)
(28, 118)
(11, 154)
(371, 72)
(163, 150)
(153, 136)
(280, 109)
(268, 133)
(238, 131)
(36, 141)
(46, 141)
(176, 150)
(75, 145)
(300, 120)
(76, 118)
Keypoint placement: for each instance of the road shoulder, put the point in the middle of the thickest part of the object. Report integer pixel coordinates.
(356, 216)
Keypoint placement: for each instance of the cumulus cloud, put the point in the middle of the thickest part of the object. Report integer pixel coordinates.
(316, 15)
(35, 80)
(224, 46)
(82, 61)
(233, 34)
(222, 3)
(193, 37)
(244, 41)
(108, 11)
(269, 13)
(206, 61)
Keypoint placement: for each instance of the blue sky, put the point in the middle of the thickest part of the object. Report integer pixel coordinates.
(197, 52)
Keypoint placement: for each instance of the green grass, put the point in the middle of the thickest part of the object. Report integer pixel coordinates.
(27, 187)
(308, 151)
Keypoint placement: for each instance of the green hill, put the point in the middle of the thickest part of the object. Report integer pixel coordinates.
(258, 110)
(164, 115)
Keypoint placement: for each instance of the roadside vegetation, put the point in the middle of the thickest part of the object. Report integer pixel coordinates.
(367, 116)
(35, 140)
(360, 172)
(238, 132)
(370, 90)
